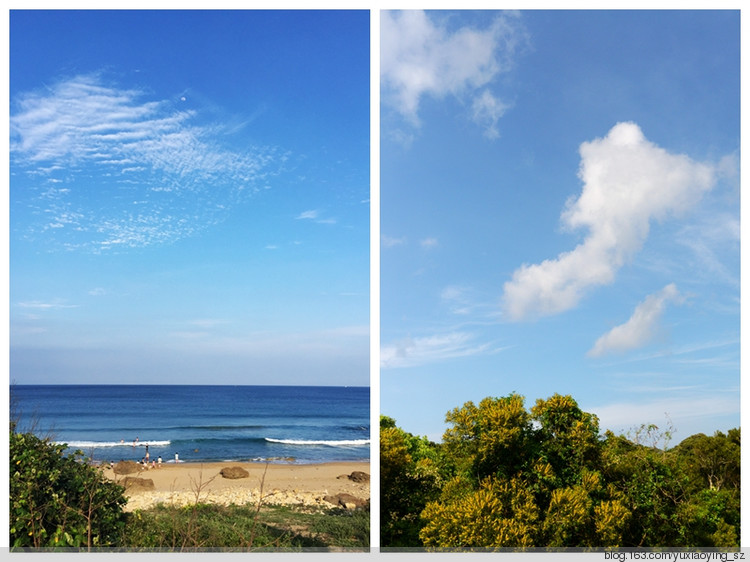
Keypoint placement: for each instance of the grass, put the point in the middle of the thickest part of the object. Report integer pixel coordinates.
(243, 528)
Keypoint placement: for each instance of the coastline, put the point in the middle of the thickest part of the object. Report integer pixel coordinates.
(320, 484)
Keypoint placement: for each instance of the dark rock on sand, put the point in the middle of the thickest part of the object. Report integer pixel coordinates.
(234, 472)
(356, 476)
(347, 501)
(126, 467)
(133, 482)
(359, 476)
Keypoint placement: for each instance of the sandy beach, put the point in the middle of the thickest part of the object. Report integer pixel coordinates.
(325, 484)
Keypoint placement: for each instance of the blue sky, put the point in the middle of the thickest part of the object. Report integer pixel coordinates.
(189, 197)
(560, 214)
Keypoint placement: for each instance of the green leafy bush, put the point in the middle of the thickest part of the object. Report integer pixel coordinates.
(58, 500)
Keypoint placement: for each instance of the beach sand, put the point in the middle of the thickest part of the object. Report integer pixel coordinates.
(288, 484)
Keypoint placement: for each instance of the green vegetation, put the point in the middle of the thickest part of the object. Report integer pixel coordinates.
(59, 501)
(509, 477)
(244, 528)
(63, 502)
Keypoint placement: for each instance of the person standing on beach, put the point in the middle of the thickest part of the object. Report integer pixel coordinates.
(147, 455)
(159, 465)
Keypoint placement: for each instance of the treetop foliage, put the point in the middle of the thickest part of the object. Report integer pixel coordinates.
(508, 476)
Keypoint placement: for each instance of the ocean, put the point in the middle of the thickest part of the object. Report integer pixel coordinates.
(180, 423)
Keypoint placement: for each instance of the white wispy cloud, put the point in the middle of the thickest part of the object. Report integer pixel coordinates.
(428, 242)
(308, 215)
(456, 299)
(41, 305)
(315, 216)
(341, 341)
(684, 412)
(199, 330)
(472, 305)
(411, 352)
(208, 322)
(718, 353)
(627, 183)
(189, 335)
(641, 327)
(710, 240)
(391, 241)
(420, 57)
(487, 111)
(105, 142)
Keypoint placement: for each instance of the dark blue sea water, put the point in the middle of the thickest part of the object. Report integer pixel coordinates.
(308, 424)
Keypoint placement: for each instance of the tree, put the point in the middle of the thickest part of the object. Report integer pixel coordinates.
(491, 439)
(711, 513)
(567, 437)
(508, 477)
(499, 514)
(680, 497)
(713, 460)
(530, 479)
(409, 478)
(57, 500)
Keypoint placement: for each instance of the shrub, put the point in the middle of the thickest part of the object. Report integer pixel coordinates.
(58, 500)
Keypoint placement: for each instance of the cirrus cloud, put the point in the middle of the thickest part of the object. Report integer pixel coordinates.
(410, 352)
(124, 171)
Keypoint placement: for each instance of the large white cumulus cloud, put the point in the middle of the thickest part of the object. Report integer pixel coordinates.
(627, 182)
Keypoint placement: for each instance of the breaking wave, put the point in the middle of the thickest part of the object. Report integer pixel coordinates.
(340, 443)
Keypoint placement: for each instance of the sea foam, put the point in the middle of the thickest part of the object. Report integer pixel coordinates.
(341, 443)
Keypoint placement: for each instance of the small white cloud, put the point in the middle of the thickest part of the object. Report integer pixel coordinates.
(429, 243)
(627, 182)
(308, 215)
(399, 136)
(452, 293)
(390, 242)
(456, 300)
(314, 215)
(97, 292)
(640, 329)
(419, 57)
(487, 111)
